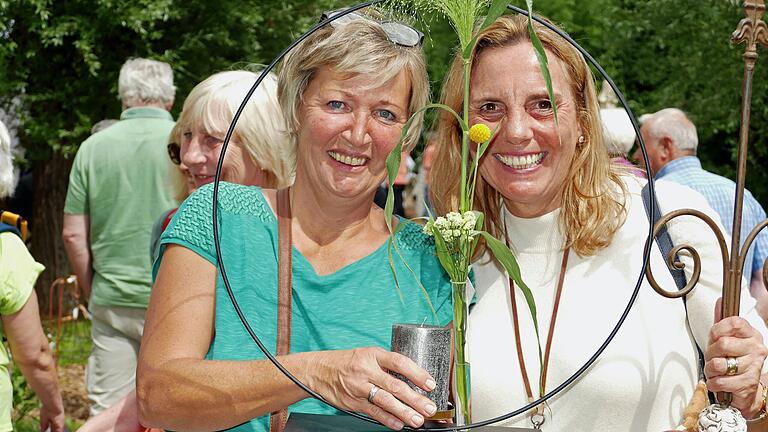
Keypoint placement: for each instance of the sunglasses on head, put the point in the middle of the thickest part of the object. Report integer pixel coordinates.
(399, 33)
(174, 152)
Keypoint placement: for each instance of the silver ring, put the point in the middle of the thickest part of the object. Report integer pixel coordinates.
(372, 393)
(732, 366)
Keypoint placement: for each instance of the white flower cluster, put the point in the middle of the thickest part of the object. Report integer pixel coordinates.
(453, 226)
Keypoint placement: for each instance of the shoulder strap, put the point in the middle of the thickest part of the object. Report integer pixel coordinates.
(15, 221)
(4, 227)
(664, 241)
(278, 419)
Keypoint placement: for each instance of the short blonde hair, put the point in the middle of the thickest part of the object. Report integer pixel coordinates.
(178, 181)
(144, 81)
(261, 129)
(591, 210)
(358, 47)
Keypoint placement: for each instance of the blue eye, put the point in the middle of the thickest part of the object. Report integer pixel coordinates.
(387, 115)
(336, 105)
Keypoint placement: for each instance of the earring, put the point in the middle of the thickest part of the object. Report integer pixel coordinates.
(582, 140)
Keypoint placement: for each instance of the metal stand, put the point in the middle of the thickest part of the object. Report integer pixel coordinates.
(752, 31)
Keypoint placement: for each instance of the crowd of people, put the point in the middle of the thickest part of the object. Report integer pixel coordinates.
(306, 247)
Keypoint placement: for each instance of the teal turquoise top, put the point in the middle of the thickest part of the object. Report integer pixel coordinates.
(351, 308)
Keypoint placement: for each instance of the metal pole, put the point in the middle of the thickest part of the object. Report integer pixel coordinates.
(753, 31)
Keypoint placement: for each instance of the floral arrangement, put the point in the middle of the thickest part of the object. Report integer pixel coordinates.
(457, 233)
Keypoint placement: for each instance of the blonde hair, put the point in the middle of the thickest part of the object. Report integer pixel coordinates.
(592, 211)
(261, 128)
(358, 47)
(179, 181)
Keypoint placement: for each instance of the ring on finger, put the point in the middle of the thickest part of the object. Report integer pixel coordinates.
(372, 393)
(731, 366)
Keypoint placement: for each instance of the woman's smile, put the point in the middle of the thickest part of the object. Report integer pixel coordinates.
(527, 162)
(348, 160)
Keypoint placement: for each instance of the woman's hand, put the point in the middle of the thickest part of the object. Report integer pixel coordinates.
(735, 338)
(346, 379)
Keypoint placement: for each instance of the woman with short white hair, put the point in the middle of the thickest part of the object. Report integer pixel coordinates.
(260, 152)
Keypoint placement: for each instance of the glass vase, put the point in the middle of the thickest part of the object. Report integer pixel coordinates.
(461, 370)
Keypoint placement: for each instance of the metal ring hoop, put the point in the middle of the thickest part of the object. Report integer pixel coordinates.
(277, 364)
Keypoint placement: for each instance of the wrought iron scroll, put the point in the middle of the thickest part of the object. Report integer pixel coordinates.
(753, 31)
(693, 280)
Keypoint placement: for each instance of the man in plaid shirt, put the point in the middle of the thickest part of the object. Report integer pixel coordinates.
(671, 141)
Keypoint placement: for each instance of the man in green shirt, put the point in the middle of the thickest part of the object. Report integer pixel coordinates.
(119, 186)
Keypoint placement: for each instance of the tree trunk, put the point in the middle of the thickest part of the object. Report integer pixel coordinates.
(51, 181)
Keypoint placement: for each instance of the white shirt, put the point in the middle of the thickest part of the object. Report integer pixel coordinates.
(647, 375)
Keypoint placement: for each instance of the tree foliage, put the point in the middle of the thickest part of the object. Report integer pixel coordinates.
(677, 53)
(59, 62)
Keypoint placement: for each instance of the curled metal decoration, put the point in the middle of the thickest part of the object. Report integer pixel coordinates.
(671, 261)
(753, 31)
(747, 244)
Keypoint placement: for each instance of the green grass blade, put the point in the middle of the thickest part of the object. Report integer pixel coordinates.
(443, 254)
(507, 259)
(494, 12)
(393, 166)
(393, 245)
(481, 148)
(393, 159)
(541, 55)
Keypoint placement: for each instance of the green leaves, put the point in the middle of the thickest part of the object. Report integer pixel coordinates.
(393, 159)
(541, 55)
(494, 12)
(507, 259)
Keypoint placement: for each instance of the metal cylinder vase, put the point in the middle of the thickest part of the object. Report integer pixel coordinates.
(430, 348)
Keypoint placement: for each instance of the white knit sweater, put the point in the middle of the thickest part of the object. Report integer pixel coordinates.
(646, 376)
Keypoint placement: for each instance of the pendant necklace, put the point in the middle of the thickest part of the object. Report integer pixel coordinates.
(537, 414)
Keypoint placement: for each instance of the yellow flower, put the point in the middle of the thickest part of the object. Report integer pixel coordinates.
(479, 133)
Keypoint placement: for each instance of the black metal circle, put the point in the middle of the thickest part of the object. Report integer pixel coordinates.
(549, 395)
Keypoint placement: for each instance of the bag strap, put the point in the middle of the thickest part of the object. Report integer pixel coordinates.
(278, 419)
(664, 241)
(15, 221)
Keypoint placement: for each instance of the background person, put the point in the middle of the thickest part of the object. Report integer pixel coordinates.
(118, 187)
(21, 319)
(578, 229)
(207, 113)
(619, 136)
(671, 143)
(345, 106)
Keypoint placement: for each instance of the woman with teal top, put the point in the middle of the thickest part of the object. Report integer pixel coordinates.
(345, 106)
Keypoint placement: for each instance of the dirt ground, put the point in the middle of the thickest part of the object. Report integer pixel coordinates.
(72, 384)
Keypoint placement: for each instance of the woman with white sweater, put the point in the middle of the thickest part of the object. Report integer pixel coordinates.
(578, 226)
